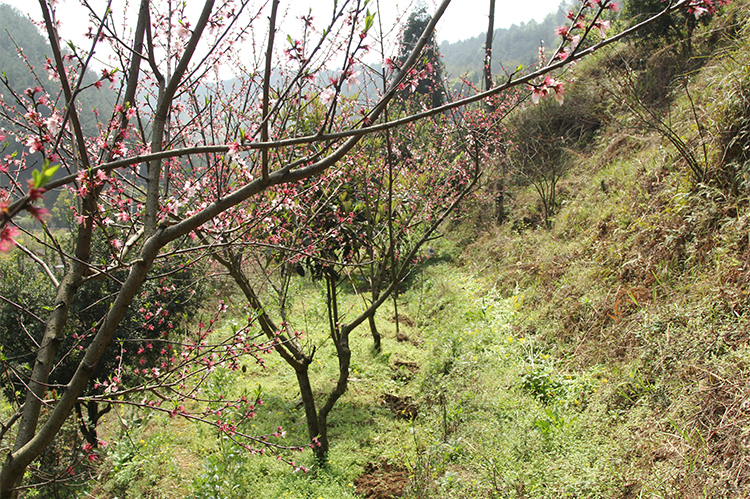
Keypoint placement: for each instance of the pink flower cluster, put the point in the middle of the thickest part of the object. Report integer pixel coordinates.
(549, 85)
(699, 8)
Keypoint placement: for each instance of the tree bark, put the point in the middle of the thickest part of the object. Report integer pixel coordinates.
(487, 69)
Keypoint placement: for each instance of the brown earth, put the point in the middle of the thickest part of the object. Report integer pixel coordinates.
(382, 481)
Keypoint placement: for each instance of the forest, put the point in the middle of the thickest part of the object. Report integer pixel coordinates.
(243, 255)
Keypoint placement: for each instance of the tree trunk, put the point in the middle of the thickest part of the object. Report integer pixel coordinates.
(344, 356)
(375, 333)
(371, 319)
(308, 401)
(487, 69)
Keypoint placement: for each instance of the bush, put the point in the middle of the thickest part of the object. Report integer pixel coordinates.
(547, 137)
(166, 301)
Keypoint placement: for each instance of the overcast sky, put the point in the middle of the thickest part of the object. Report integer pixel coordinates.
(463, 18)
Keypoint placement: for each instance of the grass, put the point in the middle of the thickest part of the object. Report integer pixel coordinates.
(494, 411)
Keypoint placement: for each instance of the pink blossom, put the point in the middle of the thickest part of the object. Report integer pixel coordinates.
(353, 80)
(34, 193)
(234, 150)
(327, 96)
(556, 87)
(38, 212)
(52, 73)
(574, 41)
(35, 144)
(109, 75)
(562, 31)
(537, 93)
(6, 238)
(700, 7)
(54, 123)
(183, 31)
(119, 151)
(602, 26)
(34, 117)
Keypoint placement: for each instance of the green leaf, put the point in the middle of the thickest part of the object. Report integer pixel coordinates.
(41, 178)
(369, 18)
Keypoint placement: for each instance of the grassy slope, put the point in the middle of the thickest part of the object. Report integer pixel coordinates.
(649, 282)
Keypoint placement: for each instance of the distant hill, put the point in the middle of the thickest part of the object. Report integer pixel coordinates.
(510, 47)
(15, 27)
(16, 30)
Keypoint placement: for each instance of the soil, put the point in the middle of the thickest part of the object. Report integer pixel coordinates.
(401, 407)
(382, 481)
(401, 337)
(403, 319)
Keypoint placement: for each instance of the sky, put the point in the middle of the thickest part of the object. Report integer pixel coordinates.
(463, 19)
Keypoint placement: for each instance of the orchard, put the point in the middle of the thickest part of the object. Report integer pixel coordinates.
(222, 147)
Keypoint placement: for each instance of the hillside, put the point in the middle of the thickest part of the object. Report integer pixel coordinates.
(640, 288)
(17, 32)
(512, 46)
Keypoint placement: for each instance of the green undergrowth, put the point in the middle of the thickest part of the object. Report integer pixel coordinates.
(488, 410)
(163, 457)
(503, 416)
